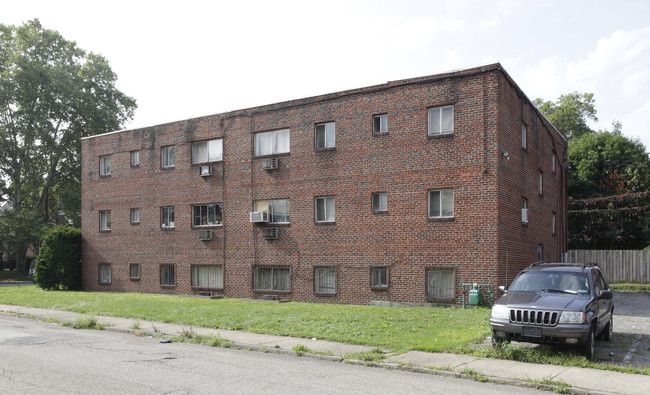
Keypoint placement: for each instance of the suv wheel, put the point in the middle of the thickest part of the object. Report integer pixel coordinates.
(588, 349)
(608, 332)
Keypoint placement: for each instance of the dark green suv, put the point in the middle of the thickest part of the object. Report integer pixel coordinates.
(555, 303)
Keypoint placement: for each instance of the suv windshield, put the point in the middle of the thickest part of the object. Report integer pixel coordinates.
(575, 283)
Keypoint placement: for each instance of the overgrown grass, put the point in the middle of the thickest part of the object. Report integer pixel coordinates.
(12, 275)
(375, 355)
(630, 287)
(436, 329)
(84, 323)
(549, 356)
(189, 336)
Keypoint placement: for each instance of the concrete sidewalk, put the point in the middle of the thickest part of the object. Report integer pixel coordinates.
(581, 380)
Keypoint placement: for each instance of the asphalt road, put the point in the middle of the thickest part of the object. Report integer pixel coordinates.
(41, 357)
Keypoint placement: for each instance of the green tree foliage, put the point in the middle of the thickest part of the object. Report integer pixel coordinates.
(59, 260)
(569, 114)
(51, 95)
(607, 163)
(609, 184)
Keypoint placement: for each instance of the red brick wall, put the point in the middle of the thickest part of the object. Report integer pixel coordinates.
(483, 241)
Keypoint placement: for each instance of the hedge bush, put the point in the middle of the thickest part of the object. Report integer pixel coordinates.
(59, 260)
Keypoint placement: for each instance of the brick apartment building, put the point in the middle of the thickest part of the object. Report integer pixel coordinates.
(398, 192)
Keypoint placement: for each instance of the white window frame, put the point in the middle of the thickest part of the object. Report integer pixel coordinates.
(440, 283)
(380, 201)
(134, 270)
(207, 276)
(274, 205)
(135, 158)
(105, 165)
(325, 209)
(207, 151)
(553, 164)
(280, 278)
(167, 275)
(105, 220)
(524, 136)
(438, 120)
(553, 223)
(380, 124)
(167, 217)
(135, 215)
(105, 273)
(379, 277)
(272, 143)
(442, 208)
(325, 135)
(325, 279)
(167, 157)
(213, 215)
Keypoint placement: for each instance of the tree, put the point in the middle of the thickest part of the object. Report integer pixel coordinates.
(51, 95)
(569, 114)
(609, 183)
(607, 163)
(59, 262)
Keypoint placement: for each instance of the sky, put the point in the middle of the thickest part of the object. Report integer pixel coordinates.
(186, 59)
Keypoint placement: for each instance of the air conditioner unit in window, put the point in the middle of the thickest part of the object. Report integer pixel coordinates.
(524, 215)
(205, 234)
(270, 233)
(260, 216)
(270, 163)
(205, 171)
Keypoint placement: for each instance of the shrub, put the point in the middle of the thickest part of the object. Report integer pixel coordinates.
(59, 261)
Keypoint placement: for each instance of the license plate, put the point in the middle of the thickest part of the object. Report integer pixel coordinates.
(530, 331)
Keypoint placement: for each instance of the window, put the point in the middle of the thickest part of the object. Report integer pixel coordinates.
(380, 124)
(167, 216)
(540, 183)
(379, 201)
(540, 252)
(167, 275)
(167, 154)
(134, 271)
(379, 277)
(440, 283)
(325, 209)
(207, 276)
(271, 143)
(325, 280)
(553, 219)
(441, 120)
(135, 158)
(207, 151)
(135, 215)
(524, 211)
(105, 273)
(104, 220)
(524, 132)
(553, 163)
(325, 135)
(441, 203)
(278, 209)
(272, 279)
(206, 215)
(105, 165)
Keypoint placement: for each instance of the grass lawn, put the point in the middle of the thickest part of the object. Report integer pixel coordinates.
(433, 329)
(10, 275)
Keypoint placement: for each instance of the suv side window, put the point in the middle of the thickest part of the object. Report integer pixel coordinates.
(599, 284)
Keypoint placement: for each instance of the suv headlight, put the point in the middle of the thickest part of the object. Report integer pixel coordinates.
(572, 317)
(500, 311)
